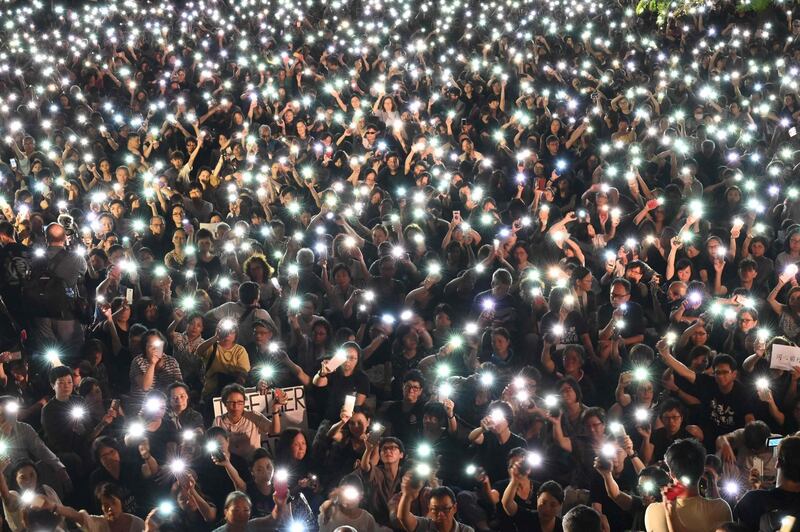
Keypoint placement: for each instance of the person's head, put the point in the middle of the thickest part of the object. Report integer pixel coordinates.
(582, 519)
(261, 467)
(154, 342)
(502, 416)
(61, 381)
(249, 293)
(434, 417)
(501, 340)
(756, 434)
(574, 357)
(570, 391)
(442, 506)
(237, 508)
(686, 460)
(651, 480)
(724, 367)
(106, 452)
(110, 498)
(353, 352)
(391, 450)
(789, 460)
(292, 445)
(233, 397)
(672, 414)
(24, 475)
(620, 292)
(594, 422)
(178, 393)
(549, 499)
(359, 422)
(413, 384)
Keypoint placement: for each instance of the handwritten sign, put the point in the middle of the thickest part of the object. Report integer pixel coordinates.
(293, 413)
(784, 357)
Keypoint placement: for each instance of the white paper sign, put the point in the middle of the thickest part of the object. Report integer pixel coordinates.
(784, 357)
(293, 413)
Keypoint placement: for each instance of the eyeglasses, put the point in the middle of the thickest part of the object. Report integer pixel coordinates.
(746, 320)
(371, 132)
(413, 387)
(445, 510)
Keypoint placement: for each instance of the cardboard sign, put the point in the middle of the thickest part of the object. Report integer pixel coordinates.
(293, 413)
(211, 227)
(784, 357)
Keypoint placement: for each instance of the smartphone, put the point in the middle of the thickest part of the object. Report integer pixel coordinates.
(13, 163)
(129, 295)
(674, 491)
(375, 434)
(463, 122)
(115, 404)
(758, 464)
(456, 215)
(349, 404)
(774, 442)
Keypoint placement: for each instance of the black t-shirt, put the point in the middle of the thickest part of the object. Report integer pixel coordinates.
(633, 318)
(618, 518)
(756, 503)
(405, 424)
(214, 481)
(340, 386)
(722, 413)
(493, 455)
(528, 521)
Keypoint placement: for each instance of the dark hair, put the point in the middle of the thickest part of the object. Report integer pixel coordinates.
(572, 383)
(213, 432)
(435, 409)
(86, 385)
(723, 358)
(107, 489)
(248, 292)
(414, 375)
(102, 442)
(443, 491)
(284, 445)
(686, 460)
(232, 388)
(391, 439)
(594, 411)
(258, 454)
(789, 458)
(582, 519)
(672, 404)
(552, 488)
(58, 372)
(508, 412)
(177, 384)
(626, 284)
(756, 434)
(12, 473)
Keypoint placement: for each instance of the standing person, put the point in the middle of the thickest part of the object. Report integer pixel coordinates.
(771, 505)
(682, 507)
(57, 316)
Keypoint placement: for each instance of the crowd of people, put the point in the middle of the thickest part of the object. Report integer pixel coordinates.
(399, 265)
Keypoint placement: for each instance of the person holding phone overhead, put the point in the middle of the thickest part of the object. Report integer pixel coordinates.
(345, 379)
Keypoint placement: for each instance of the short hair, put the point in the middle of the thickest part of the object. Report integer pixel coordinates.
(672, 404)
(756, 434)
(248, 292)
(236, 496)
(508, 412)
(391, 439)
(626, 284)
(789, 458)
(435, 409)
(177, 384)
(213, 432)
(501, 331)
(103, 442)
(414, 375)
(686, 460)
(582, 519)
(552, 488)
(724, 358)
(58, 372)
(594, 411)
(572, 383)
(502, 276)
(258, 454)
(443, 491)
(232, 388)
(107, 489)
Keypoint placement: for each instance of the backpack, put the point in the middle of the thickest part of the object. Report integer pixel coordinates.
(47, 295)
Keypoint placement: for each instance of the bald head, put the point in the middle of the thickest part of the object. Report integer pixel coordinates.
(56, 235)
